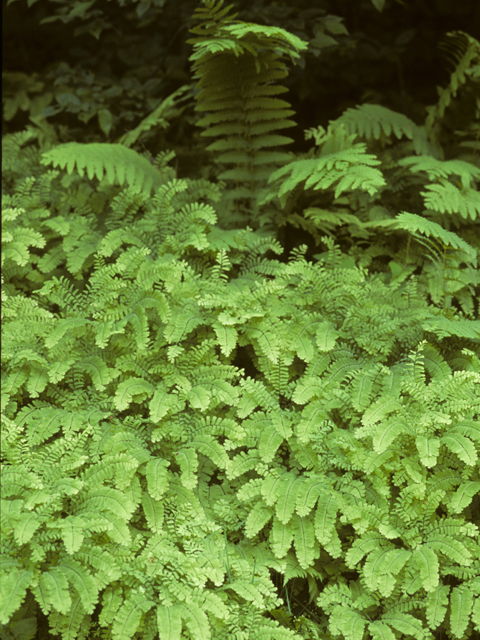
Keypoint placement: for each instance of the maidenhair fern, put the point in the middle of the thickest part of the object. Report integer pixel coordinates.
(355, 417)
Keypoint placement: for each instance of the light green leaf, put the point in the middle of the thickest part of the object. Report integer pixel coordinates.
(308, 494)
(127, 389)
(306, 547)
(463, 496)
(288, 489)
(281, 537)
(326, 336)
(269, 442)
(325, 517)
(461, 602)
(462, 446)
(405, 623)
(157, 477)
(161, 402)
(437, 602)
(227, 337)
(154, 512)
(82, 580)
(199, 397)
(428, 449)
(188, 461)
(211, 448)
(129, 615)
(381, 631)
(426, 560)
(169, 622)
(13, 588)
(73, 533)
(196, 620)
(55, 584)
(25, 527)
(257, 518)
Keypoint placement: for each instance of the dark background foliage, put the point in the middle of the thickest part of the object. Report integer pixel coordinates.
(102, 66)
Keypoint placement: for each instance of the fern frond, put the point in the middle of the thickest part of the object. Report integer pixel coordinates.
(447, 251)
(461, 605)
(436, 169)
(169, 621)
(14, 587)
(82, 581)
(351, 167)
(234, 88)
(196, 620)
(129, 615)
(373, 120)
(447, 198)
(18, 240)
(114, 162)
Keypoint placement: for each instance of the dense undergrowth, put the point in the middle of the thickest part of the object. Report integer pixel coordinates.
(206, 437)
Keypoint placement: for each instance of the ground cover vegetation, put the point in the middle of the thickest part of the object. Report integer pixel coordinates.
(240, 371)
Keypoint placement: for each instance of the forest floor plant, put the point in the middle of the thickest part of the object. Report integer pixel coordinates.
(202, 442)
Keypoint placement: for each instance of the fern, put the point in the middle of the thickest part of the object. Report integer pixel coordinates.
(374, 121)
(159, 116)
(114, 162)
(236, 64)
(339, 160)
(447, 252)
(443, 196)
(181, 413)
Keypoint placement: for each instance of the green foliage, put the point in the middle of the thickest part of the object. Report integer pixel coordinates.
(150, 484)
(448, 253)
(158, 117)
(362, 194)
(466, 57)
(116, 162)
(237, 64)
(373, 120)
(339, 160)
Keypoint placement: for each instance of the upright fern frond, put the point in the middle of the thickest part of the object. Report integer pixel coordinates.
(413, 223)
(237, 63)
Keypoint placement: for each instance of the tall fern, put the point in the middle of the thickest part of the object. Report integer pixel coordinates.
(237, 64)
